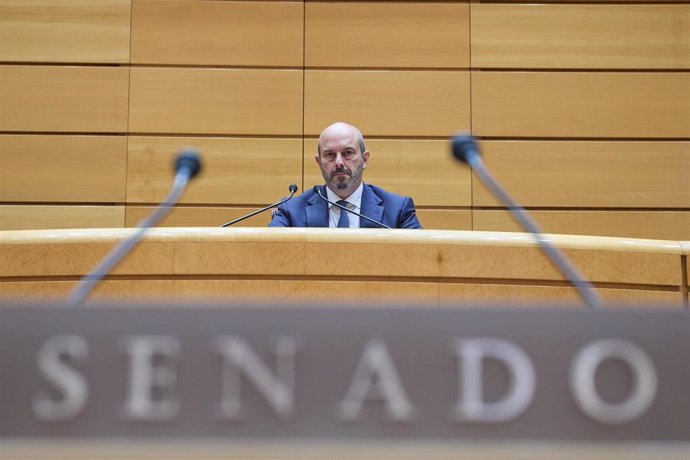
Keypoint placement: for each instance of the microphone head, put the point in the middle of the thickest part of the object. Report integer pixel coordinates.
(293, 188)
(465, 147)
(188, 158)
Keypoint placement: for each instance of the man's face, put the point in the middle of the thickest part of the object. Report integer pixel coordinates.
(341, 161)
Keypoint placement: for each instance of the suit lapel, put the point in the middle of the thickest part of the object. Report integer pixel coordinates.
(371, 207)
(316, 212)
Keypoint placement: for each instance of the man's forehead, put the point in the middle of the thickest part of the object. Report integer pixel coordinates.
(340, 140)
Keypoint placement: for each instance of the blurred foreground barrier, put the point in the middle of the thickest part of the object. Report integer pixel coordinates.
(303, 382)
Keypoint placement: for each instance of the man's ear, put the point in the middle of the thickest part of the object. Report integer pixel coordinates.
(316, 158)
(365, 157)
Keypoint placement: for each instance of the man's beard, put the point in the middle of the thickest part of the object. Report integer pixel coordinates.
(351, 181)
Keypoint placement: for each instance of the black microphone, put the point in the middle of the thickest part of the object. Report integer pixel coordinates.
(362, 216)
(187, 166)
(293, 188)
(465, 149)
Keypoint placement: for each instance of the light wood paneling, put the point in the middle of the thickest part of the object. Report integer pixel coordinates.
(55, 98)
(220, 258)
(387, 35)
(200, 216)
(34, 217)
(423, 170)
(47, 168)
(589, 174)
(581, 36)
(217, 33)
(216, 101)
(298, 291)
(581, 104)
(394, 294)
(248, 171)
(445, 219)
(205, 216)
(504, 262)
(521, 295)
(664, 225)
(411, 103)
(83, 31)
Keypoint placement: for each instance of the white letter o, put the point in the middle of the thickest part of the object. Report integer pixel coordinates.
(644, 381)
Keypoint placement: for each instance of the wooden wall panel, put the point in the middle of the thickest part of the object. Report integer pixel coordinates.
(56, 98)
(83, 31)
(214, 216)
(581, 104)
(436, 256)
(200, 216)
(32, 217)
(685, 245)
(589, 173)
(217, 33)
(216, 101)
(522, 295)
(581, 36)
(387, 35)
(206, 216)
(445, 219)
(422, 169)
(410, 103)
(597, 265)
(665, 225)
(248, 171)
(54, 168)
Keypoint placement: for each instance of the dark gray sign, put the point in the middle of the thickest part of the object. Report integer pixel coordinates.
(343, 373)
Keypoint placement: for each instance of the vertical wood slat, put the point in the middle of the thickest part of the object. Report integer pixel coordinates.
(581, 104)
(215, 101)
(388, 103)
(77, 31)
(607, 36)
(61, 98)
(62, 168)
(249, 171)
(217, 33)
(199, 216)
(429, 35)
(34, 216)
(622, 174)
(662, 225)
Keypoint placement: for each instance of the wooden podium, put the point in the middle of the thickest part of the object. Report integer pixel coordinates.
(201, 271)
(298, 265)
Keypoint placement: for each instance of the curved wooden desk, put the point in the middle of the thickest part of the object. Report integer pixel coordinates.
(321, 265)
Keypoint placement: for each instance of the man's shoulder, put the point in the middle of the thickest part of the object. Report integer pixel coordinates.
(302, 200)
(385, 195)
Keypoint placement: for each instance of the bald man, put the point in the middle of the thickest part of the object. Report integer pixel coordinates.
(342, 158)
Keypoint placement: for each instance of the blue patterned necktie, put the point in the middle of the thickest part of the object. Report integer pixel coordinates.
(344, 221)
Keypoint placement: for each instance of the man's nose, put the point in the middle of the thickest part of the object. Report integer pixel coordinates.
(339, 159)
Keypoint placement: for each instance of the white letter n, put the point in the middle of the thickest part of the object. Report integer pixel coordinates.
(278, 389)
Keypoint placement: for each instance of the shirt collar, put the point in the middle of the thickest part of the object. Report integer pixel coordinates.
(355, 198)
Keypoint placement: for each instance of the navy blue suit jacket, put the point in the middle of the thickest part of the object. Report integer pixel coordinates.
(309, 210)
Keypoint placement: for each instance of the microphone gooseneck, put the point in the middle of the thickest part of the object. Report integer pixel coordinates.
(362, 216)
(293, 188)
(464, 148)
(187, 166)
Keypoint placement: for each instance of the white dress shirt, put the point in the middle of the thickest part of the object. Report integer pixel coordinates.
(354, 203)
